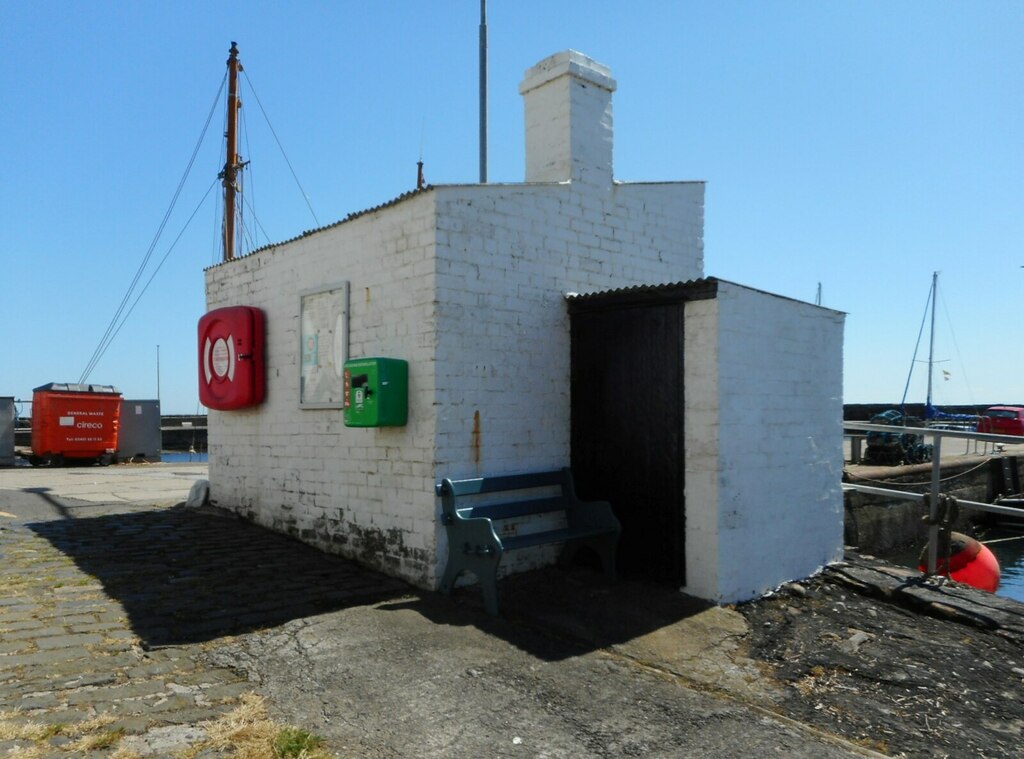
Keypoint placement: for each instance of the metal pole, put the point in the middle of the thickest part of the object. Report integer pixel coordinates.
(933, 507)
(483, 91)
(158, 374)
(931, 344)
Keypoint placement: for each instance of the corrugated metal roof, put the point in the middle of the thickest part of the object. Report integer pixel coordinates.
(705, 288)
(644, 295)
(354, 215)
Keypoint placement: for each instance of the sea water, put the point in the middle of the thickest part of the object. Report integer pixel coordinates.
(1008, 546)
(184, 457)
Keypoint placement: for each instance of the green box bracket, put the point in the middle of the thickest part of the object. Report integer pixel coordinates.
(376, 392)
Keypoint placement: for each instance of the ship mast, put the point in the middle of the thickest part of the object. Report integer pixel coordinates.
(233, 163)
(931, 343)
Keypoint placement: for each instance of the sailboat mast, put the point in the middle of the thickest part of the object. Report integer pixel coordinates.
(931, 343)
(232, 162)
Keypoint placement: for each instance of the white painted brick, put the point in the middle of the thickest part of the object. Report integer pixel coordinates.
(779, 421)
(466, 283)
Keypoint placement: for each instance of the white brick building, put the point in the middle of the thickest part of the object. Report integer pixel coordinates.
(468, 283)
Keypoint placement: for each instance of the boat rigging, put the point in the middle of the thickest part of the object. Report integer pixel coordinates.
(233, 231)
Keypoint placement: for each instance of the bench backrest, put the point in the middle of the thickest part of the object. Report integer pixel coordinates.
(450, 490)
(504, 482)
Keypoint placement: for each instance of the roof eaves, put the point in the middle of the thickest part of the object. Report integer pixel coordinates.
(350, 217)
(705, 288)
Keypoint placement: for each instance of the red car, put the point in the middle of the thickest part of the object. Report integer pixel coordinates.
(1002, 420)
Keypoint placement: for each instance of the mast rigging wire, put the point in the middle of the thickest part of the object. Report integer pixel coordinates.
(108, 335)
(913, 360)
(956, 347)
(162, 261)
(120, 316)
(305, 197)
(255, 218)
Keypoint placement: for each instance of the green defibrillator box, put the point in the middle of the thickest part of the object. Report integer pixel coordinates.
(376, 392)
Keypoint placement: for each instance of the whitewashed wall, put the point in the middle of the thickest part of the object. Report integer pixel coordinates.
(506, 256)
(466, 283)
(364, 493)
(763, 442)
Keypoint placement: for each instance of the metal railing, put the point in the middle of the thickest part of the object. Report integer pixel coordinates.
(934, 496)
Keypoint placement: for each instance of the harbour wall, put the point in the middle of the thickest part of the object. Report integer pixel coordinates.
(879, 525)
(863, 412)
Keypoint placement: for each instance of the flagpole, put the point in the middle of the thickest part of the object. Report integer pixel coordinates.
(483, 91)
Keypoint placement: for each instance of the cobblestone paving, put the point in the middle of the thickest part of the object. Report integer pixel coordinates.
(106, 624)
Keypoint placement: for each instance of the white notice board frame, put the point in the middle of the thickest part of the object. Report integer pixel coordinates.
(323, 345)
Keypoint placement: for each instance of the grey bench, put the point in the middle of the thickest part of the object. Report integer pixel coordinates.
(476, 543)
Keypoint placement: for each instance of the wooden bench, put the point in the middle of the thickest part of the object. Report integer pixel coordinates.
(476, 543)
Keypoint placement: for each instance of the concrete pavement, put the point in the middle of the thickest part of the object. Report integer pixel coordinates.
(129, 624)
(148, 484)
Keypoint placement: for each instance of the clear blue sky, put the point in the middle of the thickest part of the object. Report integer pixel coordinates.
(861, 145)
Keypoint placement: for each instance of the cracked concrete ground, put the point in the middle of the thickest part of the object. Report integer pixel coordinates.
(423, 677)
(157, 619)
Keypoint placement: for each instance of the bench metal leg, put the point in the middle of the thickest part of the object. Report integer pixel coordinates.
(489, 586)
(486, 571)
(484, 568)
(451, 574)
(603, 545)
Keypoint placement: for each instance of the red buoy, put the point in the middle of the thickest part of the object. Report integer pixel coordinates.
(970, 562)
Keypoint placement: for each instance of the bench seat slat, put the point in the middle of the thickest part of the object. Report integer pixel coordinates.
(514, 509)
(512, 542)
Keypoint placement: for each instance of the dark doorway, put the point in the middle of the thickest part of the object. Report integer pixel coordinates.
(627, 430)
(627, 419)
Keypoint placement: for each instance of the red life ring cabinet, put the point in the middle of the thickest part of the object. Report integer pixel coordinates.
(232, 372)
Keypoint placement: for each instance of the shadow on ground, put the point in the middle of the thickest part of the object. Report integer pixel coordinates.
(186, 577)
(582, 609)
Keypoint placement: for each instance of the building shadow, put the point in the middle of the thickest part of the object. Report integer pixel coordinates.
(184, 576)
(560, 612)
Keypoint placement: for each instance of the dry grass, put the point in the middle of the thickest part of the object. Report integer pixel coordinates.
(14, 730)
(125, 753)
(249, 733)
(94, 742)
(91, 734)
(27, 752)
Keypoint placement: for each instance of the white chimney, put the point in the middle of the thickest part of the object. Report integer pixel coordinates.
(568, 100)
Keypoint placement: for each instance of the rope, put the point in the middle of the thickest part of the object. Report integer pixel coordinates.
(162, 261)
(917, 345)
(255, 218)
(247, 188)
(111, 331)
(946, 512)
(1004, 540)
(914, 484)
(305, 197)
(956, 347)
(947, 509)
